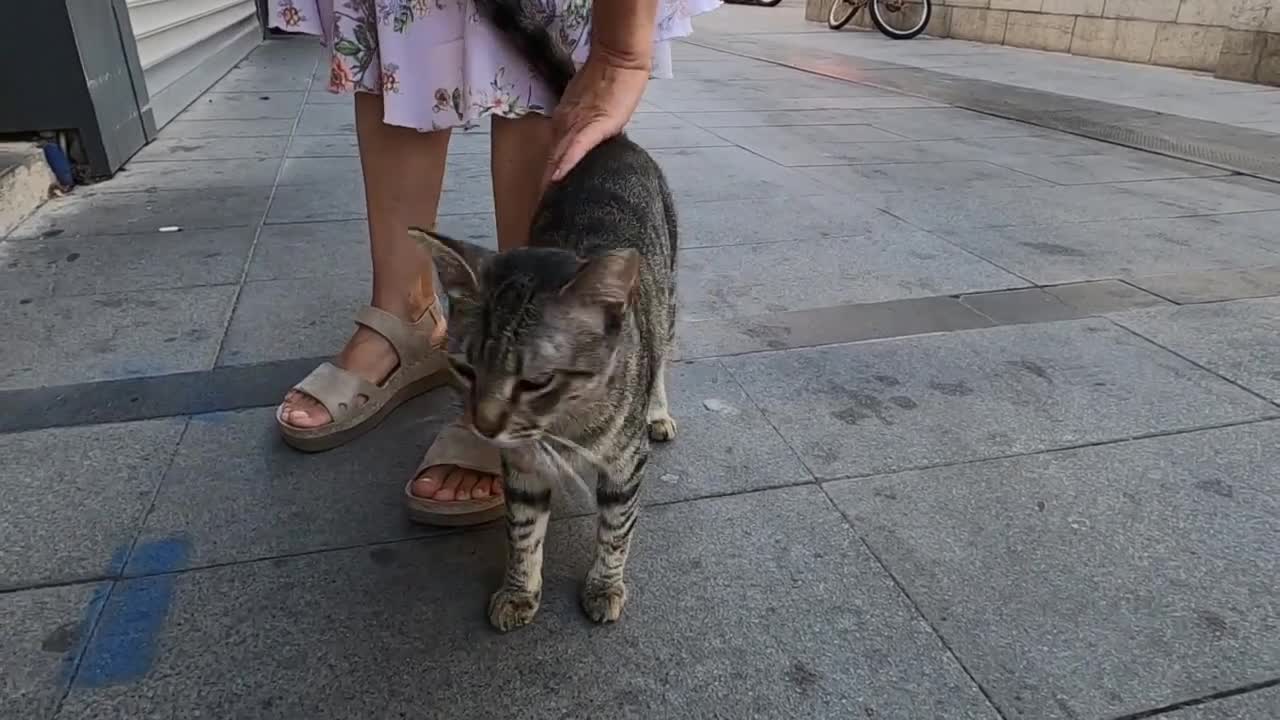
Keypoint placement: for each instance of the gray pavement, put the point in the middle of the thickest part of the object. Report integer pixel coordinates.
(979, 420)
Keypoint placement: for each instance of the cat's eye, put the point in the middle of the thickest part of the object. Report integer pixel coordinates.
(536, 384)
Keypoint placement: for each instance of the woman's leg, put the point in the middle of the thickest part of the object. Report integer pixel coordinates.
(519, 151)
(403, 173)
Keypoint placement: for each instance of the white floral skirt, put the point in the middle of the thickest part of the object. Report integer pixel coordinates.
(438, 65)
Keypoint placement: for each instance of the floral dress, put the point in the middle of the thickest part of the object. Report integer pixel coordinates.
(438, 65)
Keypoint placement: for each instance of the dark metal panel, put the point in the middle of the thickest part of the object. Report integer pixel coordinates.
(115, 85)
(77, 74)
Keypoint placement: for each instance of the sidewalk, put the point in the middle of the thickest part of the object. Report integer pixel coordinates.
(978, 420)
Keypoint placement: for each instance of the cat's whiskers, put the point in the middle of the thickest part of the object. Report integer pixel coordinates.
(564, 465)
(586, 454)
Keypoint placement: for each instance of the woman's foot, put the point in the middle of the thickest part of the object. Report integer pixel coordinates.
(450, 482)
(371, 357)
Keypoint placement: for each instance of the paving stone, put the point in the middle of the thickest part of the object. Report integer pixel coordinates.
(327, 119)
(698, 174)
(312, 250)
(802, 85)
(121, 263)
(186, 175)
(478, 228)
(985, 208)
(40, 631)
(793, 152)
(1258, 704)
(1030, 305)
(235, 492)
(817, 134)
(145, 212)
(342, 634)
(1130, 249)
(825, 326)
(875, 179)
(341, 171)
(775, 219)
(202, 129)
(75, 498)
(1118, 166)
(1214, 285)
(344, 145)
(57, 341)
(723, 446)
(759, 118)
(1236, 339)
(731, 281)
(1105, 296)
(1047, 144)
(1058, 578)
(244, 106)
(188, 149)
(1212, 195)
(298, 317)
(256, 78)
(1061, 302)
(321, 95)
(916, 402)
(760, 102)
(679, 137)
(657, 120)
(945, 124)
(344, 200)
(735, 69)
(318, 203)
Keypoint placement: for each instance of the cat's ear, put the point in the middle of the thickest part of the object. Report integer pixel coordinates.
(457, 262)
(609, 279)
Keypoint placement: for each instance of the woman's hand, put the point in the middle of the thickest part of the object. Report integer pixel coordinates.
(596, 106)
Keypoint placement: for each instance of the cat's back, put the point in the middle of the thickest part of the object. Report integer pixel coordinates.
(615, 197)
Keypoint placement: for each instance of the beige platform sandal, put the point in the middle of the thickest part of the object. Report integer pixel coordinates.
(422, 367)
(457, 446)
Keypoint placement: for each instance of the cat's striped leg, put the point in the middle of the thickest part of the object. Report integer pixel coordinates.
(528, 511)
(618, 497)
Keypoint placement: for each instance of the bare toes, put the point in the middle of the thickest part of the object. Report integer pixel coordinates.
(467, 484)
(449, 490)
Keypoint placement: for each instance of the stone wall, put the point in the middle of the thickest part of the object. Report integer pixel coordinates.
(1235, 39)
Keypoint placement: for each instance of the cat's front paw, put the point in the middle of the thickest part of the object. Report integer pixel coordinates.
(662, 429)
(510, 609)
(604, 603)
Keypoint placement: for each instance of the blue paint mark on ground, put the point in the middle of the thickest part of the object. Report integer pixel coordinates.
(85, 627)
(123, 645)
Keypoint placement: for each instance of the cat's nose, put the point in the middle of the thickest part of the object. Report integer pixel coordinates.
(490, 417)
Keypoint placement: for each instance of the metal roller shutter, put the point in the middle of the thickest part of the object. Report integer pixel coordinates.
(184, 46)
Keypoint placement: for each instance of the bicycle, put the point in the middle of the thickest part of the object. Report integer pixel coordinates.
(898, 19)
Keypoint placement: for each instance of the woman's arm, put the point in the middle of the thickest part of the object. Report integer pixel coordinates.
(623, 31)
(606, 91)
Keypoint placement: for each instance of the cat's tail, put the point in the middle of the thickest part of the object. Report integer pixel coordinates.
(532, 40)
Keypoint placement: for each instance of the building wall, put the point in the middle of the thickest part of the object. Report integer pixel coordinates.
(1235, 39)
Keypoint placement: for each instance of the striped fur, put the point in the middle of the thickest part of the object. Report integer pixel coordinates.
(563, 345)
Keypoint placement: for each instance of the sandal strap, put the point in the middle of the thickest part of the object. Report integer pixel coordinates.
(336, 389)
(411, 341)
(456, 445)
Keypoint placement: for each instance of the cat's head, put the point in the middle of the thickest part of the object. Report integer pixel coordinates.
(535, 333)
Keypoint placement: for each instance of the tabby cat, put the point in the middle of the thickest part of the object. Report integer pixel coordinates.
(563, 344)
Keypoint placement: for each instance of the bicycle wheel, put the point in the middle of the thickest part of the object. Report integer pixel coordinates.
(901, 19)
(842, 11)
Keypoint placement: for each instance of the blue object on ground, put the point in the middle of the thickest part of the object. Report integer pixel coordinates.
(59, 163)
